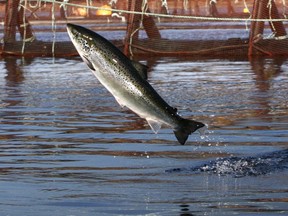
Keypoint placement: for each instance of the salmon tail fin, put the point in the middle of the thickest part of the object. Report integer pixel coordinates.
(185, 128)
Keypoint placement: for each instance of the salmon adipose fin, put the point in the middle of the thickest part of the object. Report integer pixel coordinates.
(186, 127)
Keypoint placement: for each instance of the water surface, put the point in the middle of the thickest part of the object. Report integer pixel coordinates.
(68, 148)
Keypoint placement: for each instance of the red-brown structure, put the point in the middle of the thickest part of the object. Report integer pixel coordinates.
(154, 44)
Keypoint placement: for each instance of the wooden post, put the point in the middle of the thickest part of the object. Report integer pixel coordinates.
(10, 21)
(196, 8)
(258, 12)
(213, 9)
(175, 10)
(230, 9)
(150, 27)
(14, 18)
(133, 24)
(277, 27)
(261, 10)
(257, 27)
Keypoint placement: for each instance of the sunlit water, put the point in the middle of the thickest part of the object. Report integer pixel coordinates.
(67, 148)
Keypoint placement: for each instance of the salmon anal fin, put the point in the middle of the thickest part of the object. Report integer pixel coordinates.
(155, 125)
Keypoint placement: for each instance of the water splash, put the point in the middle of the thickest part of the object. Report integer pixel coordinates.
(202, 131)
(242, 166)
(207, 137)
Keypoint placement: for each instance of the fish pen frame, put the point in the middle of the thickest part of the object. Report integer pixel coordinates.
(139, 16)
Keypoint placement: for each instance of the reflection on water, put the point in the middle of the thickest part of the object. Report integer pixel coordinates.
(67, 148)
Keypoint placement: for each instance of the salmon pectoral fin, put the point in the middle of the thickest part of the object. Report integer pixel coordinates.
(185, 128)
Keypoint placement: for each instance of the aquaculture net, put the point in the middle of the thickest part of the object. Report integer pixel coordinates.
(148, 27)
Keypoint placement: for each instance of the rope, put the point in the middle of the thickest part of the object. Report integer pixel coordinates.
(185, 4)
(25, 30)
(36, 5)
(284, 8)
(164, 4)
(144, 8)
(198, 52)
(269, 6)
(53, 26)
(203, 18)
(246, 6)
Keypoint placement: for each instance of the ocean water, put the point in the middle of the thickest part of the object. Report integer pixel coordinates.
(68, 148)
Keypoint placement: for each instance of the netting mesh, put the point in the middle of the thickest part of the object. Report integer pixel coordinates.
(154, 27)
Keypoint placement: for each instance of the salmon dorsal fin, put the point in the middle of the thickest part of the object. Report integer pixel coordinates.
(155, 125)
(141, 68)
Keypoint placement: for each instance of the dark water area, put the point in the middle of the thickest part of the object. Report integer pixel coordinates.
(68, 148)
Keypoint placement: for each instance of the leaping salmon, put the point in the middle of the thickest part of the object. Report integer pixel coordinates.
(125, 80)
